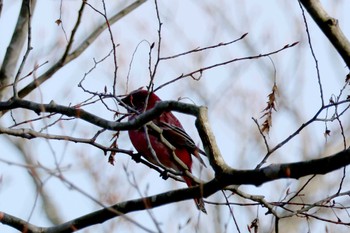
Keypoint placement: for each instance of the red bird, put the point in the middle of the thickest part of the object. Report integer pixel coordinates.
(172, 131)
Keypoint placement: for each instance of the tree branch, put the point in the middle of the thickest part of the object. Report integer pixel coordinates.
(224, 175)
(77, 112)
(68, 57)
(330, 27)
(16, 44)
(229, 177)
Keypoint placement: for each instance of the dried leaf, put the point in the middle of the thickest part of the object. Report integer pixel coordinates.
(347, 79)
(327, 133)
(266, 126)
(58, 22)
(114, 145)
(111, 159)
(271, 105)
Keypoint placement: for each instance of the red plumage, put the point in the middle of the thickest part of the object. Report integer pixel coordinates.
(172, 131)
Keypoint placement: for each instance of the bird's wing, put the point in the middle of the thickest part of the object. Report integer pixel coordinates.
(179, 138)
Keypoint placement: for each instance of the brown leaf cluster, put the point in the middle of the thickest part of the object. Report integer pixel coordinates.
(114, 145)
(267, 111)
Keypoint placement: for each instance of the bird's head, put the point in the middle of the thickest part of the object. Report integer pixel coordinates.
(137, 99)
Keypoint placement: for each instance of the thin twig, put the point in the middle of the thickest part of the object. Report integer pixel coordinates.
(312, 53)
(196, 50)
(29, 48)
(201, 70)
(80, 49)
(313, 119)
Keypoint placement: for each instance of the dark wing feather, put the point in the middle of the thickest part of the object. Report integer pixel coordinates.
(179, 138)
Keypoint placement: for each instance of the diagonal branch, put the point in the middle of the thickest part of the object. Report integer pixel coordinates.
(0, 7)
(330, 27)
(199, 71)
(77, 112)
(232, 177)
(16, 44)
(68, 57)
(224, 175)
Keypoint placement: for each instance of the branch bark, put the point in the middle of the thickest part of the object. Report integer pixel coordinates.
(225, 176)
(330, 27)
(231, 177)
(16, 44)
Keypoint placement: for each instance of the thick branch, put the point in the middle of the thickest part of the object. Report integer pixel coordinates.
(209, 143)
(0, 7)
(330, 27)
(289, 170)
(16, 44)
(232, 177)
(96, 120)
(202, 124)
(224, 176)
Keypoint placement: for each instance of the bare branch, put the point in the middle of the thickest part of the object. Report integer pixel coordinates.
(114, 46)
(68, 57)
(201, 70)
(16, 44)
(29, 48)
(330, 28)
(1, 7)
(255, 177)
(313, 55)
(313, 119)
(196, 50)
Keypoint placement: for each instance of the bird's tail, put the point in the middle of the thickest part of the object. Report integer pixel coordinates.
(199, 201)
(200, 204)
